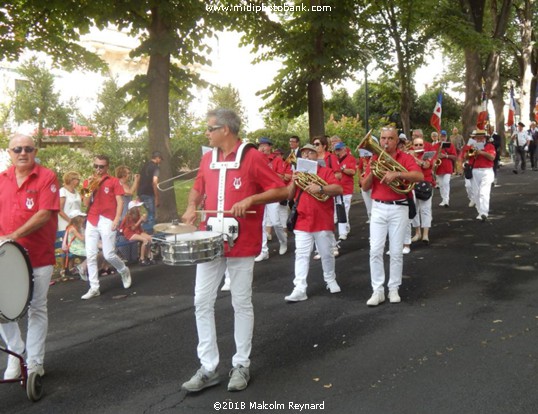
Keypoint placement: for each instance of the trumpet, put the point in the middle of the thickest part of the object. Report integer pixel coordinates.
(92, 185)
(472, 152)
(291, 159)
(385, 163)
(304, 179)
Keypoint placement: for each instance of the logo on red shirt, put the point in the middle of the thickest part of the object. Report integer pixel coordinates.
(29, 203)
(237, 183)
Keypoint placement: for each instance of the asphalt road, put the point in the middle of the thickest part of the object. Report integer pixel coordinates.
(463, 340)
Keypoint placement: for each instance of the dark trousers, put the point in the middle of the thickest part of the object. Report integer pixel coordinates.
(521, 154)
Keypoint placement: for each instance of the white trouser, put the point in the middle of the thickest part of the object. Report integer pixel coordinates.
(469, 189)
(343, 228)
(272, 217)
(407, 236)
(304, 243)
(208, 278)
(424, 213)
(444, 187)
(391, 220)
(38, 321)
(367, 197)
(102, 231)
(481, 182)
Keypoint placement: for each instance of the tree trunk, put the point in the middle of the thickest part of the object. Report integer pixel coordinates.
(315, 109)
(473, 91)
(158, 114)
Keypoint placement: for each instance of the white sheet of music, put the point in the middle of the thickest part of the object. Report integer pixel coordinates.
(304, 165)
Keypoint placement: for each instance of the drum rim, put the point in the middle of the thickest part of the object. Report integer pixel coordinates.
(24, 253)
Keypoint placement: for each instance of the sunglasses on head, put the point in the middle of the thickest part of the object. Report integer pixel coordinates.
(26, 149)
(101, 167)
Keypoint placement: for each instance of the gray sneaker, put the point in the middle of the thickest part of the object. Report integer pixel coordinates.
(126, 278)
(239, 377)
(202, 379)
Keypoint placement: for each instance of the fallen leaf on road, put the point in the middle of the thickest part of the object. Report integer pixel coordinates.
(497, 321)
(327, 386)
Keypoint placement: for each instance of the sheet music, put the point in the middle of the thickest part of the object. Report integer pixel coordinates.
(428, 155)
(364, 153)
(304, 165)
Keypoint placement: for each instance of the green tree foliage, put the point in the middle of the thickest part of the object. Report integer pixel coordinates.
(111, 110)
(340, 104)
(423, 109)
(349, 129)
(227, 97)
(36, 100)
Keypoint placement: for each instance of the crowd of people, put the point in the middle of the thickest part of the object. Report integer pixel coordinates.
(245, 189)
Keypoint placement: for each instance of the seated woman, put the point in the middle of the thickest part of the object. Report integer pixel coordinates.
(131, 226)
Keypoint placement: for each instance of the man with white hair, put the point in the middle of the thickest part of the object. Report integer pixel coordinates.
(29, 205)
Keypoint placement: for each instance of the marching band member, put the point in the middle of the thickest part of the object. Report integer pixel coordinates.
(348, 167)
(390, 216)
(423, 220)
(468, 184)
(481, 157)
(444, 167)
(245, 182)
(273, 214)
(315, 223)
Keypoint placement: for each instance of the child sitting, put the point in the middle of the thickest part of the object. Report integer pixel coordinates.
(131, 227)
(73, 243)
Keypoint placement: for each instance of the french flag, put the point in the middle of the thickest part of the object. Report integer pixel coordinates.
(512, 108)
(483, 115)
(435, 120)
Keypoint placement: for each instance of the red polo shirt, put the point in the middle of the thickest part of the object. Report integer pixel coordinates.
(253, 176)
(348, 161)
(482, 162)
(383, 191)
(428, 174)
(40, 191)
(104, 199)
(315, 215)
(331, 162)
(277, 164)
(447, 166)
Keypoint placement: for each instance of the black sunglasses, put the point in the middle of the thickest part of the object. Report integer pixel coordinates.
(213, 128)
(101, 167)
(317, 144)
(26, 149)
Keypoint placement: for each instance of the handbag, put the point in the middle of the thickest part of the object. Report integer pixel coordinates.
(292, 218)
(341, 211)
(423, 190)
(468, 171)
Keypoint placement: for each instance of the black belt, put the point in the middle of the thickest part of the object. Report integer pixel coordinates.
(397, 202)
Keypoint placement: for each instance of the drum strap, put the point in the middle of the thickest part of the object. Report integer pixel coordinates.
(226, 224)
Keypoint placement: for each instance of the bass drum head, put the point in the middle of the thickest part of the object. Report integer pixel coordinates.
(16, 281)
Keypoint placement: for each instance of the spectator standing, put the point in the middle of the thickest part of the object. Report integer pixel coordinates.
(70, 199)
(123, 173)
(148, 192)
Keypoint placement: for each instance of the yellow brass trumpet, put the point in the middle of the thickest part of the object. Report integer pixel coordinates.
(291, 159)
(385, 163)
(92, 185)
(472, 152)
(304, 179)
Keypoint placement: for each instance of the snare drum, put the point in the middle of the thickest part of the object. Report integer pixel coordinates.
(16, 282)
(192, 248)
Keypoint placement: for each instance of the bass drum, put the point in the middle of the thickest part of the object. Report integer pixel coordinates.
(16, 281)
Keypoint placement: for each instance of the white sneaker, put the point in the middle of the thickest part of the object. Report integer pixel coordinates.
(283, 248)
(406, 250)
(92, 293)
(225, 287)
(333, 287)
(376, 299)
(261, 256)
(336, 252)
(296, 296)
(342, 237)
(37, 368)
(394, 297)
(13, 370)
(471, 204)
(317, 256)
(126, 278)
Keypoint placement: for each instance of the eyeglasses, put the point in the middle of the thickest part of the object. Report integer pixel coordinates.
(213, 128)
(27, 149)
(418, 145)
(101, 167)
(317, 144)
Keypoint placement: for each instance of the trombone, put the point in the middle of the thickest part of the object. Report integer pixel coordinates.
(175, 178)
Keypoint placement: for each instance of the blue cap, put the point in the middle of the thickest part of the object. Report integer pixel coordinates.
(265, 140)
(443, 132)
(339, 146)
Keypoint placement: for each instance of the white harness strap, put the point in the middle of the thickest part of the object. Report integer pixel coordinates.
(225, 225)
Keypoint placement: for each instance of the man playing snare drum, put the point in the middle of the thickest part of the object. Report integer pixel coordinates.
(237, 180)
(29, 205)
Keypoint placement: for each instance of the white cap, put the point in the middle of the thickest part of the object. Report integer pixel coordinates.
(76, 213)
(134, 203)
(402, 136)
